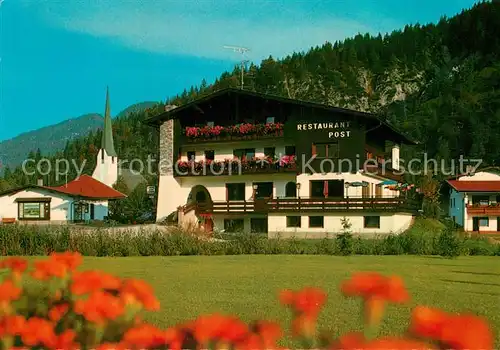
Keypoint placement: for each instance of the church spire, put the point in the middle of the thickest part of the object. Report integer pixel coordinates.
(107, 142)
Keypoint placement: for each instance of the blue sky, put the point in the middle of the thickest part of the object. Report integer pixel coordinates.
(57, 57)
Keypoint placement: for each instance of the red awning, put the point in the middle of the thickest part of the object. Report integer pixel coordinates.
(475, 186)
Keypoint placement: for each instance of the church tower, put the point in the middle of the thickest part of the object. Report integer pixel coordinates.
(106, 170)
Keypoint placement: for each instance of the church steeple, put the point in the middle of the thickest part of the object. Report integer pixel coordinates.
(107, 142)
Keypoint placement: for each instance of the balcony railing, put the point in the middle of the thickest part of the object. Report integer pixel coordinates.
(232, 133)
(236, 167)
(483, 209)
(300, 205)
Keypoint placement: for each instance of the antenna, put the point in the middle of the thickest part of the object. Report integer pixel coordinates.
(242, 51)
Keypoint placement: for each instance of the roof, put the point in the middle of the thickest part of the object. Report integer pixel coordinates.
(475, 186)
(84, 187)
(172, 113)
(107, 142)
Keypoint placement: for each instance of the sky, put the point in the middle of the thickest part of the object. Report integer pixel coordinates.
(58, 56)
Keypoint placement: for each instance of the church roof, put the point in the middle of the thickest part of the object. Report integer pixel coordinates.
(85, 187)
(107, 142)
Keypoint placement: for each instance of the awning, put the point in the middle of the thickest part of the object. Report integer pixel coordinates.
(359, 184)
(388, 182)
(33, 200)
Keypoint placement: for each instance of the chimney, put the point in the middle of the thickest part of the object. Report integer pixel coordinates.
(39, 182)
(395, 157)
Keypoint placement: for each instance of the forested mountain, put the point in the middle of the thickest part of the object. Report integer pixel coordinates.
(50, 139)
(439, 83)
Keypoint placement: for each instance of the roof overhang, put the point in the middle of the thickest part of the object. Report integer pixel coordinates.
(156, 121)
(474, 186)
(32, 200)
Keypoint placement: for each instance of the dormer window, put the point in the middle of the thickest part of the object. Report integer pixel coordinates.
(211, 124)
(269, 120)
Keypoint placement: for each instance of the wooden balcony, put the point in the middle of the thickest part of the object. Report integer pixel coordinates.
(229, 167)
(230, 138)
(489, 210)
(304, 205)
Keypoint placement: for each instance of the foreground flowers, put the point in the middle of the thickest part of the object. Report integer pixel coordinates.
(70, 309)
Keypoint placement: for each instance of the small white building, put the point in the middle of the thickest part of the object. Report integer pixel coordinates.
(83, 199)
(475, 201)
(237, 160)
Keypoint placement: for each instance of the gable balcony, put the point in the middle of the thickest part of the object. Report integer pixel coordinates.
(239, 132)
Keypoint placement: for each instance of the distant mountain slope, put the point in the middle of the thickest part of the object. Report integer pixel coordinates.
(53, 138)
(136, 108)
(49, 139)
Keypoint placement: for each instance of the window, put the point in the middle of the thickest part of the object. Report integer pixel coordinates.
(247, 153)
(326, 150)
(264, 189)
(484, 222)
(289, 150)
(372, 221)
(482, 200)
(293, 221)
(234, 225)
(270, 152)
(258, 225)
(191, 155)
(316, 221)
(34, 210)
(291, 189)
(235, 192)
(269, 120)
(453, 204)
(210, 155)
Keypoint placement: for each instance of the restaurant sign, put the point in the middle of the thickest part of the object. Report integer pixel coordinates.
(335, 130)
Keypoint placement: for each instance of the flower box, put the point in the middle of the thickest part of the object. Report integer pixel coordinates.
(234, 132)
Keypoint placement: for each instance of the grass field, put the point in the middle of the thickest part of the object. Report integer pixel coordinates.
(248, 285)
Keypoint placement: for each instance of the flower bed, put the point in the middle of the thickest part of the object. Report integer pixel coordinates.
(236, 166)
(70, 309)
(237, 131)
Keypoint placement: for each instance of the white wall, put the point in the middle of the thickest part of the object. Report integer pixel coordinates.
(389, 223)
(106, 170)
(468, 223)
(481, 176)
(61, 208)
(304, 180)
(58, 206)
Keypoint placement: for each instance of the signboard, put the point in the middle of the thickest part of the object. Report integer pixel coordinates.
(334, 129)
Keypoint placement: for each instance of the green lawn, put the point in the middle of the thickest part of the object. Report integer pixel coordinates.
(248, 285)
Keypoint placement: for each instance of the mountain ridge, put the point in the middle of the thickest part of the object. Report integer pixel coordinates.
(53, 138)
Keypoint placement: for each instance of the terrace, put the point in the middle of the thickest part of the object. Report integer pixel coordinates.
(294, 205)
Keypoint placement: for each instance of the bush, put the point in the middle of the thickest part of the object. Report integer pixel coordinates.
(58, 307)
(43, 240)
(344, 239)
(449, 244)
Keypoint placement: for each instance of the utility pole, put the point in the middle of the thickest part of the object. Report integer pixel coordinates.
(242, 51)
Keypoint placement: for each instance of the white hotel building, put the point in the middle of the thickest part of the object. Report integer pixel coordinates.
(237, 160)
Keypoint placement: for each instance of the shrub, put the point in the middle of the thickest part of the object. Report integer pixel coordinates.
(344, 239)
(449, 244)
(42, 240)
(70, 309)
